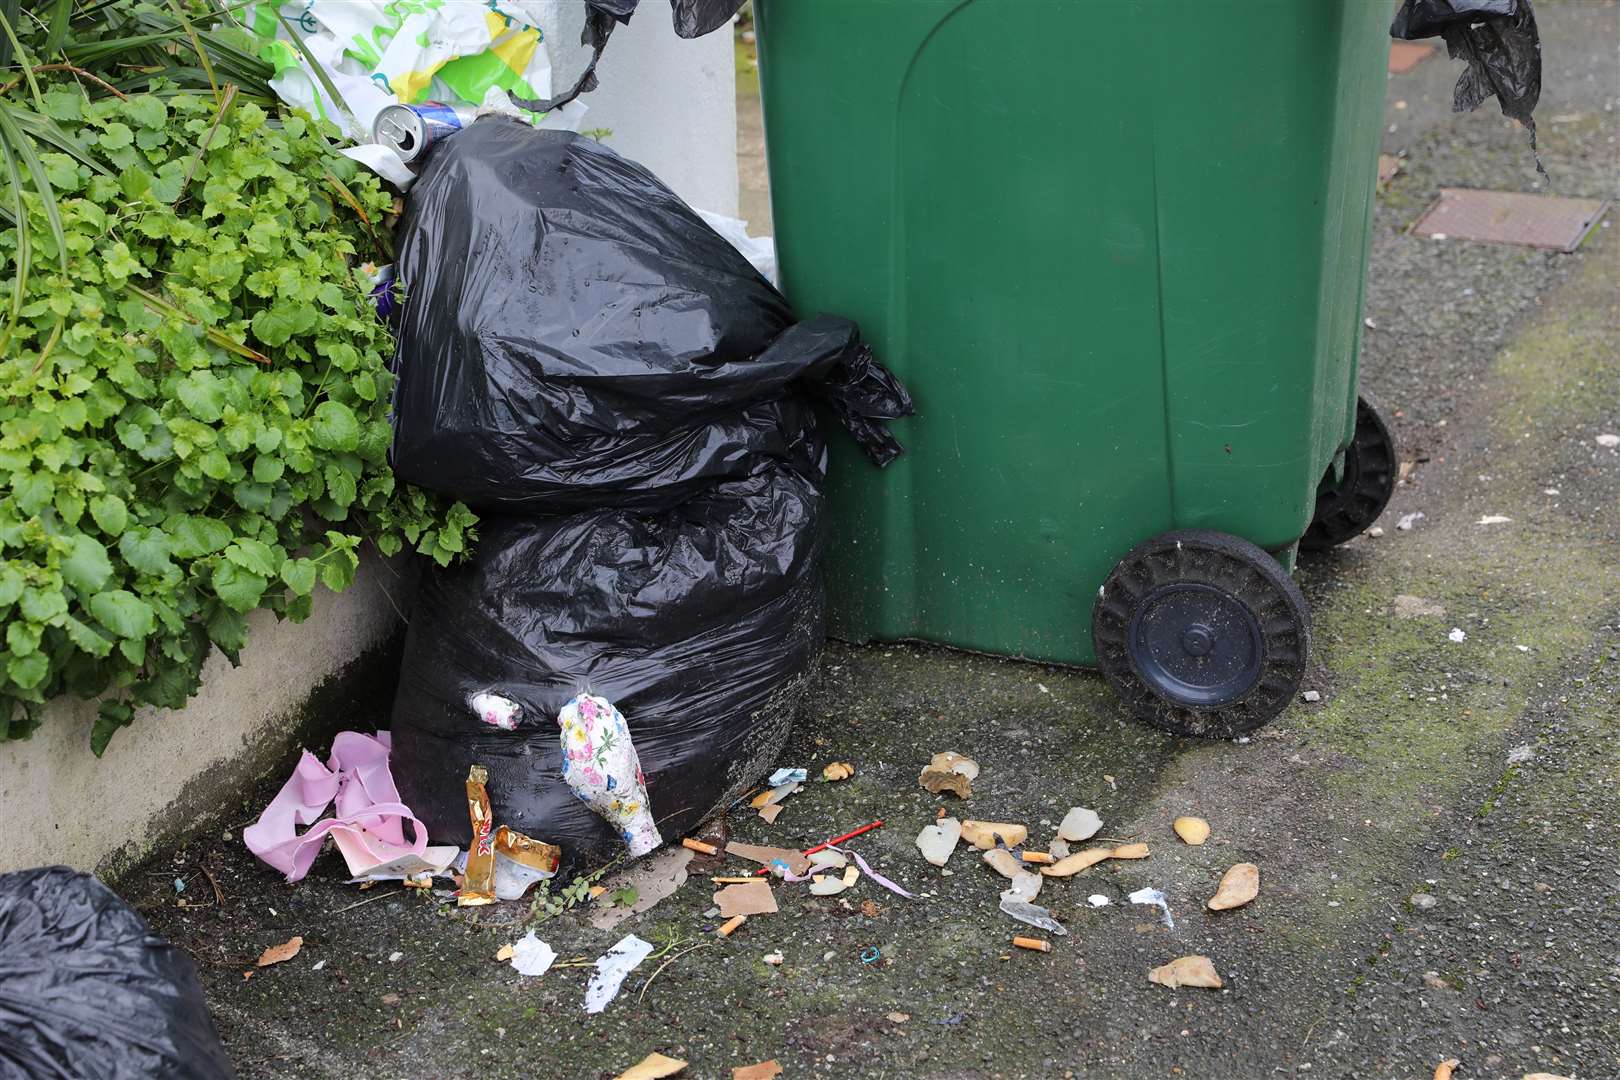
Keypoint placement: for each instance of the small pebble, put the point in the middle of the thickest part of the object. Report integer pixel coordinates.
(1424, 901)
(1311, 695)
(395, 957)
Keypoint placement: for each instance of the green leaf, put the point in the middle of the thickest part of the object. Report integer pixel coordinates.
(227, 629)
(337, 574)
(42, 605)
(334, 427)
(239, 589)
(110, 716)
(124, 613)
(116, 137)
(22, 638)
(147, 110)
(267, 469)
(254, 556)
(203, 394)
(299, 574)
(86, 566)
(85, 637)
(110, 514)
(11, 585)
(147, 550)
(28, 671)
(193, 536)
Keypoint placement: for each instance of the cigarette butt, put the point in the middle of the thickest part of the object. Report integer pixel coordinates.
(940, 814)
(1037, 857)
(731, 924)
(1033, 943)
(597, 890)
(731, 880)
(699, 845)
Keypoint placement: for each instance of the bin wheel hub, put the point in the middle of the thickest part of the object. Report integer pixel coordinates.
(1195, 644)
(1201, 633)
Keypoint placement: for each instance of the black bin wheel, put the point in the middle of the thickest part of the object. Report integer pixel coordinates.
(1344, 510)
(1201, 633)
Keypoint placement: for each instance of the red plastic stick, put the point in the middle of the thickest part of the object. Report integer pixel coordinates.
(824, 845)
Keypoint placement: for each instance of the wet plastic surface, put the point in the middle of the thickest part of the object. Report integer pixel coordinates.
(578, 337)
(1498, 39)
(580, 354)
(701, 623)
(87, 991)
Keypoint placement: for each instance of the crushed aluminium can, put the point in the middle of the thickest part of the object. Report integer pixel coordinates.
(411, 130)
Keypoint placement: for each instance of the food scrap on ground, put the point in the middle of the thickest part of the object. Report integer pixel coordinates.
(1238, 886)
(1187, 971)
(950, 771)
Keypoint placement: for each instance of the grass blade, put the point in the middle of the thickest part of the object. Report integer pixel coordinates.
(196, 44)
(60, 17)
(23, 147)
(24, 255)
(23, 61)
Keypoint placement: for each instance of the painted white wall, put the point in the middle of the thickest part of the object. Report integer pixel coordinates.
(671, 103)
(60, 804)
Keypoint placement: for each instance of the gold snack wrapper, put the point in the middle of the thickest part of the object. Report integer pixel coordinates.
(535, 854)
(478, 886)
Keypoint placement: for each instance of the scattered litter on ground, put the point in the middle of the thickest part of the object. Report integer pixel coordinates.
(828, 859)
(765, 1070)
(1238, 886)
(478, 880)
(602, 767)
(611, 969)
(1444, 1070)
(1408, 520)
(1031, 914)
(1493, 519)
(652, 1067)
(1423, 901)
(1032, 944)
(1155, 898)
(1312, 696)
(877, 878)
(368, 822)
(898, 1017)
(754, 898)
(652, 880)
(988, 834)
(1416, 607)
(1195, 830)
(520, 862)
(277, 954)
(775, 959)
(1058, 849)
(1025, 887)
(1040, 858)
(950, 771)
(1376, 531)
(1003, 862)
(939, 839)
(871, 954)
(1458, 635)
(797, 862)
(838, 770)
(395, 957)
(531, 956)
(787, 775)
(1080, 823)
(1187, 971)
(1609, 441)
(699, 846)
(1521, 754)
(1098, 900)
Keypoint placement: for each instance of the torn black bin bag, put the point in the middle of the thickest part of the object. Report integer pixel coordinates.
(575, 336)
(702, 624)
(88, 992)
(1500, 42)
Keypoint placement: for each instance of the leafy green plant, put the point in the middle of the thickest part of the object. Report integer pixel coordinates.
(193, 393)
(544, 904)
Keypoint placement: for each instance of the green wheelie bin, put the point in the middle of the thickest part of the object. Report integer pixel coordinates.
(1116, 249)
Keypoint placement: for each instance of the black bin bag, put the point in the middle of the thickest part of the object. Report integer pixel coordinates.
(702, 624)
(635, 413)
(88, 992)
(574, 336)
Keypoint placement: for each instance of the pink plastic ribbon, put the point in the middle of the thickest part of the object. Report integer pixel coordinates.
(368, 822)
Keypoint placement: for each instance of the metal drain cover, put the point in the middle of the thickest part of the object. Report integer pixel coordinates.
(1406, 55)
(1507, 217)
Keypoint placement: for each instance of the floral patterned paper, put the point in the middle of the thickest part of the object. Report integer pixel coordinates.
(601, 766)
